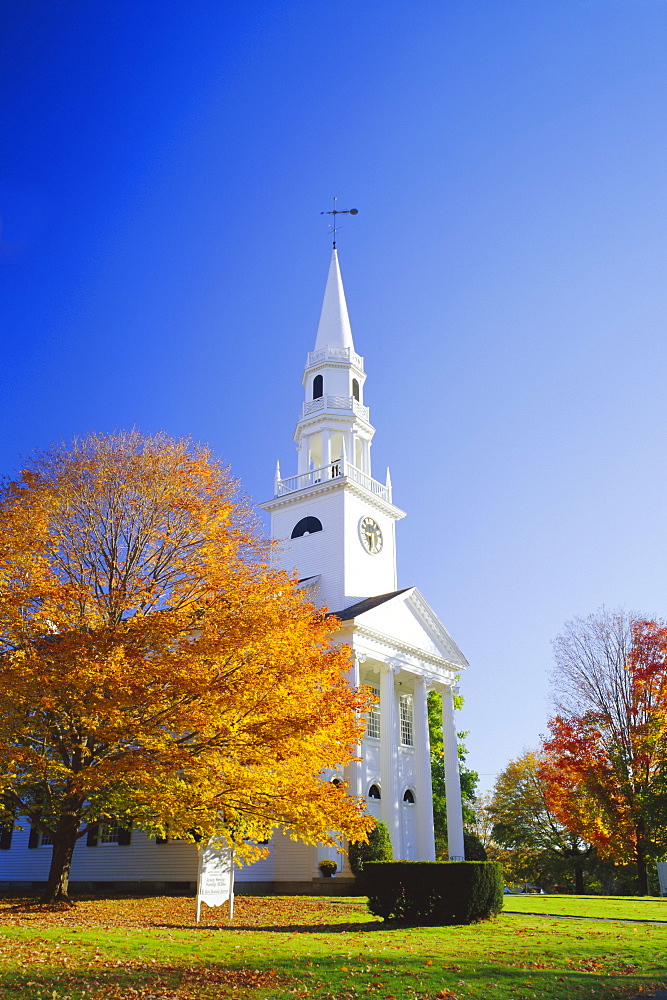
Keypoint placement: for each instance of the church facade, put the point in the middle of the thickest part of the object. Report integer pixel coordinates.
(337, 525)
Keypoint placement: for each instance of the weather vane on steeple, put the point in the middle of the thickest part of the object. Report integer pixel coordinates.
(338, 211)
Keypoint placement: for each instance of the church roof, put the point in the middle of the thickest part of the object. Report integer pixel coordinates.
(354, 610)
(410, 620)
(334, 328)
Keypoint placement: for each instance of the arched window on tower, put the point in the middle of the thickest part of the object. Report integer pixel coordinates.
(409, 796)
(318, 387)
(374, 792)
(306, 526)
(355, 389)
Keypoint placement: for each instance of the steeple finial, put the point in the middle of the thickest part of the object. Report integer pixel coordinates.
(335, 212)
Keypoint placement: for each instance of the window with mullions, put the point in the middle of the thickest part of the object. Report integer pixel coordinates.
(373, 717)
(405, 715)
(109, 832)
(37, 838)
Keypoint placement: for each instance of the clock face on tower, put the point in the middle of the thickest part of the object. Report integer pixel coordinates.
(371, 535)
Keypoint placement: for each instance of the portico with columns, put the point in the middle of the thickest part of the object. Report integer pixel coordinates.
(337, 525)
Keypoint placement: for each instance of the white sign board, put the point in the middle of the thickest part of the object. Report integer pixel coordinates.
(662, 877)
(215, 883)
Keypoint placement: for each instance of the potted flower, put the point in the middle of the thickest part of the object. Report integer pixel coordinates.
(328, 868)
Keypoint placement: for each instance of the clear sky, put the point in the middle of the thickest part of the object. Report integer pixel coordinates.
(163, 261)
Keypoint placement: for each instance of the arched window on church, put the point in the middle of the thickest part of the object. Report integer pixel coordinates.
(409, 796)
(306, 526)
(355, 389)
(374, 792)
(318, 387)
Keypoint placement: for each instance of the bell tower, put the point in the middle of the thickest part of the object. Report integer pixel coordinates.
(335, 523)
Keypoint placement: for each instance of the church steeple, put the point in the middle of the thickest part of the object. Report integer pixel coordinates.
(334, 328)
(334, 521)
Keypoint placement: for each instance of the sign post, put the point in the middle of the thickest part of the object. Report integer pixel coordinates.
(662, 877)
(215, 881)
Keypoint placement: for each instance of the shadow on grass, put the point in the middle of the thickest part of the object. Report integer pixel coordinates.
(407, 975)
(368, 925)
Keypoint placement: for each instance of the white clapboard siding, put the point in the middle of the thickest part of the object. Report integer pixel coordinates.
(142, 860)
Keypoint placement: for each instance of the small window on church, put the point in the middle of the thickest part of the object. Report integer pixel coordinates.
(318, 387)
(355, 389)
(374, 792)
(373, 717)
(405, 715)
(306, 526)
(409, 796)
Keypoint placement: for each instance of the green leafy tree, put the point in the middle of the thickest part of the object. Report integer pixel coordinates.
(469, 779)
(483, 818)
(538, 848)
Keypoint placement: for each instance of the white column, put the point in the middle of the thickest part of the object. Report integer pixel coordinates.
(389, 757)
(425, 838)
(326, 451)
(355, 774)
(452, 778)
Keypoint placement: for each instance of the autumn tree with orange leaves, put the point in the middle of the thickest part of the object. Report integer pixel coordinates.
(605, 760)
(154, 669)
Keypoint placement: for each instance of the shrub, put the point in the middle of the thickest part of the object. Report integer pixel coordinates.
(473, 847)
(378, 848)
(434, 892)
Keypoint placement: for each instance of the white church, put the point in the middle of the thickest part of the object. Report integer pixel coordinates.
(337, 525)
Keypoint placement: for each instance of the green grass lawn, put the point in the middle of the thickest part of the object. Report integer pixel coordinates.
(150, 949)
(619, 907)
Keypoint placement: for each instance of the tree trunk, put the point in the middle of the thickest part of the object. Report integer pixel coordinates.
(579, 887)
(64, 842)
(642, 870)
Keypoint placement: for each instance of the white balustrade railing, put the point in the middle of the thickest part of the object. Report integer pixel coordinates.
(335, 354)
(335, 403)
(336, 470)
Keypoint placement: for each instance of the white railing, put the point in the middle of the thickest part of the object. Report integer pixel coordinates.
(336, 470)
(335, 403)
(335, 354)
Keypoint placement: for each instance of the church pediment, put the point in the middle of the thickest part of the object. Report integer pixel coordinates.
(405, 616)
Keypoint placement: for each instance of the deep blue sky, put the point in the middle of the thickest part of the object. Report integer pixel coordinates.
(163, 261)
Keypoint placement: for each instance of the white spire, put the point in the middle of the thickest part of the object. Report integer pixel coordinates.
(334, 329)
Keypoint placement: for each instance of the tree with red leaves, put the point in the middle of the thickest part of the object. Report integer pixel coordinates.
(605, 760)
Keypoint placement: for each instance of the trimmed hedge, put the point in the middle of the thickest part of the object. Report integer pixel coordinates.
(434, 892)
